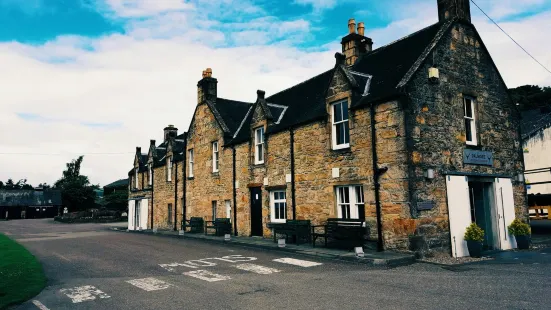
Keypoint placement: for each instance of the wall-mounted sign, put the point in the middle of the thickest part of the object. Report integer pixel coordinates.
(478, 157)
(425, 205)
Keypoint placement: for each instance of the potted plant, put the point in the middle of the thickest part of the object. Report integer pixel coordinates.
(521, 231)
(474, 235)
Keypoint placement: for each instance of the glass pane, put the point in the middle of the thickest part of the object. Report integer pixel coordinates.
(346, 133)
(340, 133)
(282, 195)
(468, 130)
(346, 196)
(359, 194)
(260, 153)
(468, 108)
(337, 113)
(283, 210)
(340, 195)
(344, 106)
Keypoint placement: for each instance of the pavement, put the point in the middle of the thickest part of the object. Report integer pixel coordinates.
(89, 266)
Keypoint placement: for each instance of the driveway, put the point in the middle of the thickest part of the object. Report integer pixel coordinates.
(91, 267)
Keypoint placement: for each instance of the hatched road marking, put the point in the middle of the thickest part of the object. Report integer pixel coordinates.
(83, 293)
(296, 262)
(256, 268)
(150, 284)
(206, 275)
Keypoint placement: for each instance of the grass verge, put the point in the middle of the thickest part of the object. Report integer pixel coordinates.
(22, 276)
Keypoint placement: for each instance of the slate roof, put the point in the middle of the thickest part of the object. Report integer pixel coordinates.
(24, 198)
(534, 121)
(233, 112)
(119, 183)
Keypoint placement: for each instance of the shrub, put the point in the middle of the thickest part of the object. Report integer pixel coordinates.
(519, 228)
(474, 233)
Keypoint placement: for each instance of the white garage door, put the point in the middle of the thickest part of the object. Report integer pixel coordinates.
(459, 212)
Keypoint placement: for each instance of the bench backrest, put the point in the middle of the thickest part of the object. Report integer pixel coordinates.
(298, 222)
(196, 220)
(222, 220)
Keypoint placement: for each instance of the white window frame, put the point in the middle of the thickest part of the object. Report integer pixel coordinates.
(190, 159)
(343, 103)
(228, 209)
(259, 144)
(471, 119)
(215, 157)
(169, 169)
(273, 202)
(150, 174)
(355, 199)
(135, 178)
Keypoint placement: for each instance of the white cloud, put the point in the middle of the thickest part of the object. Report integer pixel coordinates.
(141, 8)
(318, 4)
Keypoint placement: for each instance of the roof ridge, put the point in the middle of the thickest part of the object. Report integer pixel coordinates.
(237, 101)
(296, 85)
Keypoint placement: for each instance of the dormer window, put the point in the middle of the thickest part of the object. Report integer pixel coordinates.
(169, 169)
(259, 145)
(215, 156)
(341, 129)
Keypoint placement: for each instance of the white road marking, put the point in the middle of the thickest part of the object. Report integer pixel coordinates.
(169, 267)
(150, 284)
(40, 305)
(84, 293)
(297, 262)
(207, 262)
(256, 268)
(206, 275)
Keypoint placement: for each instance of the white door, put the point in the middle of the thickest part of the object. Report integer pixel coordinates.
(459, 213)
(131, 215)
(144, 212)
(228, 209)
(137, 214)
(505, 205)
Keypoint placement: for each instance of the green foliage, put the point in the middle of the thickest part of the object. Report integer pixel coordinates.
(531, 96)
(10, 185)
(76, 191)
(519, 228)
(21, 274)
(474, 233)
(117, 200)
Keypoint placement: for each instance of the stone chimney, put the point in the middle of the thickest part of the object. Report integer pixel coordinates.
(206, 88)
(138, 150)
(170, 132)
(448, 9)
(355, 44)
(152, 143)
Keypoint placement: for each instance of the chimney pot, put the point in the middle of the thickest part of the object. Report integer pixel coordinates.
(138, 150)
(361, 29)
(209, 72)
(340, 58)
(260, 94)
(352, 25)
(151, 142)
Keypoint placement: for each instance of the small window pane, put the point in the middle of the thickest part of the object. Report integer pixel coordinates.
(337, 113)
(468, 108)
(344, 107)
(468, 129)
(346, 133)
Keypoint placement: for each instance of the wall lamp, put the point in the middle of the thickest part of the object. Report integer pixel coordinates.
(519, 177)
(429, 174)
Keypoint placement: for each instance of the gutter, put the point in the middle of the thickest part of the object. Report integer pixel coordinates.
(184, 180)
(376, 174)
(293, 201)
(234, 194)
(152, 193)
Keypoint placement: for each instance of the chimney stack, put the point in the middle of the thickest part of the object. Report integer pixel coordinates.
(152, 143)
(355, 44)
(207, 87)
(170, 132)
(138, 150)
(449, 9)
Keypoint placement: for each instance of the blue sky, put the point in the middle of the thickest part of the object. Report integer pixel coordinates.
(105, 76)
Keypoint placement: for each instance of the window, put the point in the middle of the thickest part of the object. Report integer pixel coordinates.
(278, 206)
(215, 156)
(470, 121)
(350, 202)
(169, 220)
(340, 132)
(259, 145)
(150, 175)
(136, 178)
(214, 210)
(190, 163)
(228, 209)
(169, 169)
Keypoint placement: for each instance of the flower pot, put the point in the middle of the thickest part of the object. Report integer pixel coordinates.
(475, 248)
(417, 243)
(523, 242)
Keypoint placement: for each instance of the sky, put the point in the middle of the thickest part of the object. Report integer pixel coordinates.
(100, 77)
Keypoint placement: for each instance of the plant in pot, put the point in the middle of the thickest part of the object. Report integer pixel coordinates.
(474, 235)
(521, 231)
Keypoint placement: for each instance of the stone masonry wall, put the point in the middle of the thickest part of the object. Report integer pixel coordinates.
(438, 130)
(164, 194)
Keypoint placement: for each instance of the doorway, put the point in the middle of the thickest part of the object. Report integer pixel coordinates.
(481, 198)
(256, 211)
(137, 215)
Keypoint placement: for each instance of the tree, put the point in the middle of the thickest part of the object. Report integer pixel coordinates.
(531, 96)
(116, 201)
(76, 191)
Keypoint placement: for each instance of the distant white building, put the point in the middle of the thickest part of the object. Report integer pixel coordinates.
(536, 140)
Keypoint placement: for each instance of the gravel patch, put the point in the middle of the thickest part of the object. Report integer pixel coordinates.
(446, 259)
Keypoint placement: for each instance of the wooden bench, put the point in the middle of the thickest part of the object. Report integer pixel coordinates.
(221, 226)
(348, 233)
(195, 224)
(298, 228)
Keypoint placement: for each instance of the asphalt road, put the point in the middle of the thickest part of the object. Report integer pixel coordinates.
(91, 267)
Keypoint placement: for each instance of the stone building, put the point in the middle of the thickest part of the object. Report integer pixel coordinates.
(418, 137)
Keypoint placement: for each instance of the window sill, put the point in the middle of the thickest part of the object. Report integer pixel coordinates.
(190, 178)
(344, 150)
(259, 165)
(216, 174)
(473, 146)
